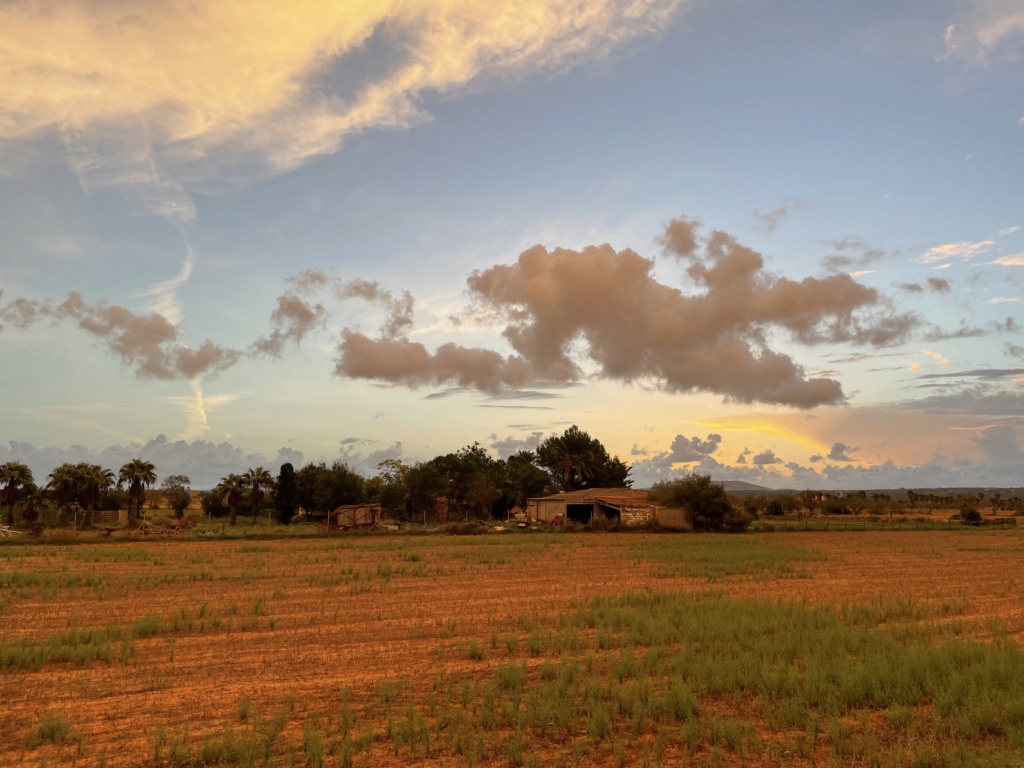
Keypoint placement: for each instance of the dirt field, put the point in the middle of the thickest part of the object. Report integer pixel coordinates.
(310, 651)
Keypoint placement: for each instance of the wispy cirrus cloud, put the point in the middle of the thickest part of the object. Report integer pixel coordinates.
(163, 297)
(852, 253)
(197, 407)
(936, 356)
(964, 250)
(260, 87)
(991, 31)
(1016, 260)
(771, 220)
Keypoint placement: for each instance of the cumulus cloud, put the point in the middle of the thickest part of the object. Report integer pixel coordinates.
(507, 446)
(684, 450)
(149, 344)
(291, 322)
(262, 86)
(687, 449)
(367, 463)
(288, 456)
(23, 313)
(566, 310)
(999, 444)
(406, 362)
(766, 457)
(398, 308)
(841, 452)
(1009, 325)
(154, 346)
(853, 253)
(934, 284)
(1000, 465)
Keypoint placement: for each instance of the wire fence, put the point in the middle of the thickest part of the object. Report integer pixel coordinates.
(877, 524)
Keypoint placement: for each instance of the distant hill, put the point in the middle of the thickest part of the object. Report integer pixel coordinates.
(740, 486)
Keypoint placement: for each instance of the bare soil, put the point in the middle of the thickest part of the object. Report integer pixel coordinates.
(287, 621)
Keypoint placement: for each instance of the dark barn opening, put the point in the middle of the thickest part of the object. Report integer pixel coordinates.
(579, 513)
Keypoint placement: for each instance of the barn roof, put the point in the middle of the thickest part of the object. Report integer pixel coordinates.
(353, 507)
(615, 496)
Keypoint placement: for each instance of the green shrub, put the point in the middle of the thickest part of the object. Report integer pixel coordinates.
(53, 728)
(970, 516)
(706, 503)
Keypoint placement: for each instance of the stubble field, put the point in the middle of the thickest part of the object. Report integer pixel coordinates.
(785, 649)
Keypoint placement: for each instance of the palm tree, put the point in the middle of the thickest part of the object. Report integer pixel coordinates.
(64, 482)
(231, 489)
(30, 500)
(570, 456)
(258, 479)
(14, 476)
(94, 481)
(139, 475)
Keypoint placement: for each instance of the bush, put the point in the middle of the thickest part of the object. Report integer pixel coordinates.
(774, 508)
(835, 506)
(464, 529)
(53, 728)
(970, 516)
(706, 503)
(213, 504)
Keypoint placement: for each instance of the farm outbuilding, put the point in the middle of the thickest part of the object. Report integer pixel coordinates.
(356, 515)
(622, 505)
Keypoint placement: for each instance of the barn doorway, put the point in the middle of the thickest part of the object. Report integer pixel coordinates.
(579, 513)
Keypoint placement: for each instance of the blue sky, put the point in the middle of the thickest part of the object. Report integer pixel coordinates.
(180, 168)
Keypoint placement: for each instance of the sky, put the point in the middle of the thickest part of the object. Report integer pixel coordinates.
(776, 241)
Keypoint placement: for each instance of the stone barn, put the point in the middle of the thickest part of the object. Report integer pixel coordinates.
(620, 505)
(613, 504)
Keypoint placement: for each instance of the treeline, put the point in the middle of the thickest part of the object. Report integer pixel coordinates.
(469, 483)
(877, 503)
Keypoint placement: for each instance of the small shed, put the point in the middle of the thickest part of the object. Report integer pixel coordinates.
(356, 515)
